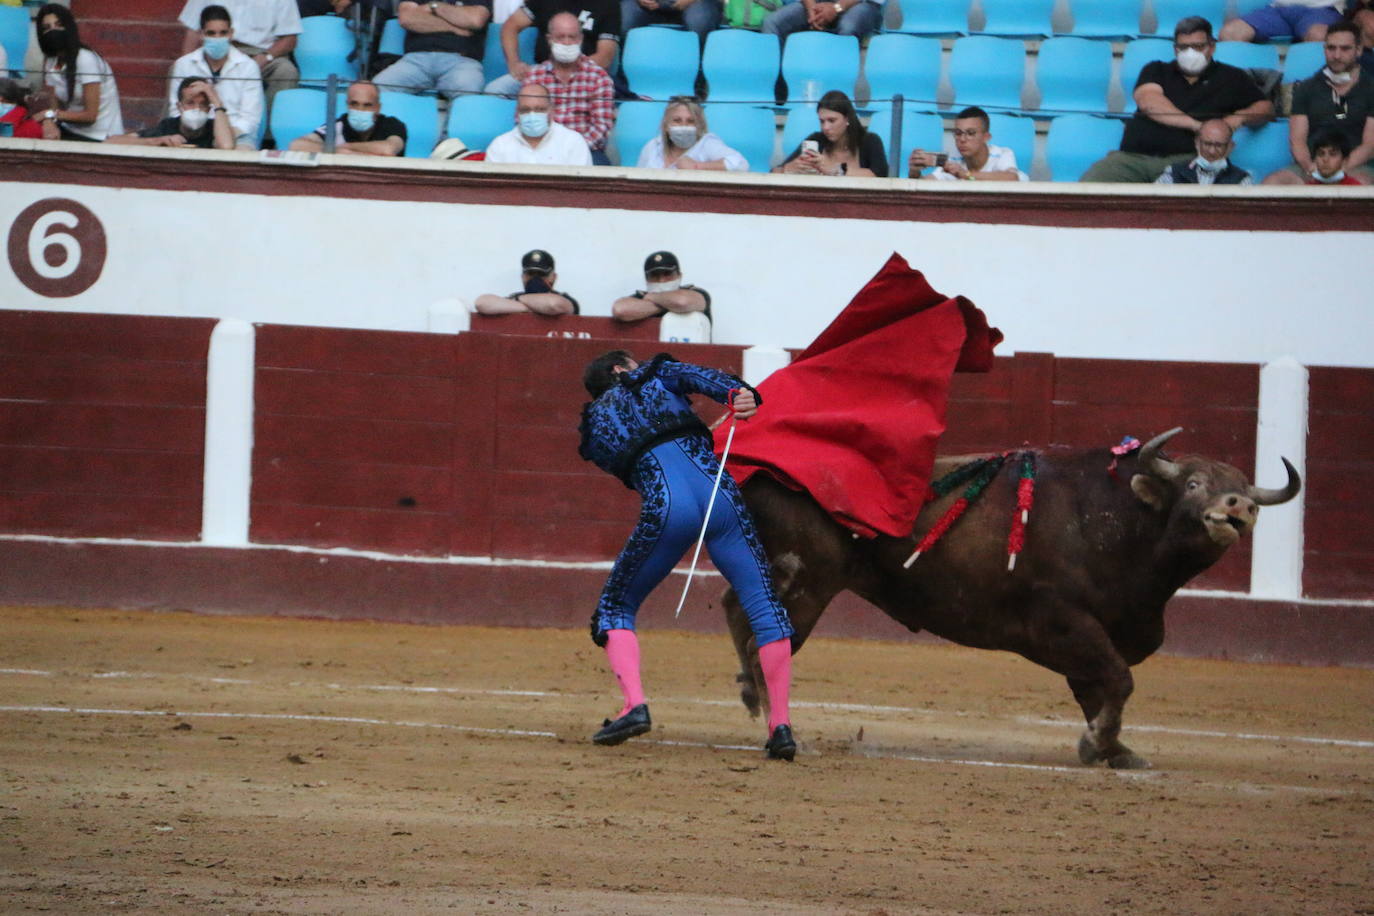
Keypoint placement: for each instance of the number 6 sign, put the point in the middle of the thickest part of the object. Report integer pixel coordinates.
(57, 248)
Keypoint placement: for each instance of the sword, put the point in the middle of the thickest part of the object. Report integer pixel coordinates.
(701, 539)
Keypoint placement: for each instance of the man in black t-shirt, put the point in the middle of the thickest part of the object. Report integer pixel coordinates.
(361, 129)
(600, 21)
(443, 49)
(1173, 99)
(203, 122)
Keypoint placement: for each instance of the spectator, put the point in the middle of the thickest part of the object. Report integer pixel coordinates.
(1211, 165)
(265, 30)
(663, 292)
(537, 139)
(841, 147)
(91, 114)
(684, 142)
(202, 121)
(237, 79)
(1299, 20)
(581, 91)
(361, 129)
(1339, 97)
(1173, 98)
(1361, 12)
(15, 118)
(1329, 151)
(443, 48)
(538, 295)
(600, 23)
(700, 16)
(976, 159)
(845, 17)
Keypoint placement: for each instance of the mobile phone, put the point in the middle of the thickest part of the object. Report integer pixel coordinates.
(941, 159)
(811, 146)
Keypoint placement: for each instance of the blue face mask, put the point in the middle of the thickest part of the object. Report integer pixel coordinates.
(216, 48)
(534, 123)
(5, 108)
(361, 121)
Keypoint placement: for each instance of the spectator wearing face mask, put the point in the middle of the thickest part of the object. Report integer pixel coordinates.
(203, 122)
(600, 22)
(537, 295)
(537, 139)
(362, 129)
(663, 292)
(15, 118)
(235, 76)
(84, 101)
(582, 93)
(1212, 164)
(685, 142)
(1330, 150)
(1173, 98)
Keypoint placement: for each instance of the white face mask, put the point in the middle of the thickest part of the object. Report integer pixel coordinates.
(1339, 176)
(1191, 61)
(1210, 165)
(1338, 79)
(667, 286)
(565, 54)
(684, 136)
(193, 119)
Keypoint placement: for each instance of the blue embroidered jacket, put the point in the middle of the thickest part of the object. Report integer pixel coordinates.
(649, 406)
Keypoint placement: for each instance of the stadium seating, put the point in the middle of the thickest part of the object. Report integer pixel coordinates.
(1018, 18)
(421, 116)
(1303, 59)
(741, 66)
(14, 34)
(494, 59)
(1076, 141)
(1138, 53)
(920, 130)
(479, 119)
(801, 123)
(1261, 150)
(934, 17)
(987, 71)
(660, 63)
(393, 38)
(829, 59)
(903, 64)
(323, 48)
(1017, 133)
(1248, 56)
(746, 128)
(1118, 19)
(299, 111)
(1074, 74)
(636, 123)
(1169, 12)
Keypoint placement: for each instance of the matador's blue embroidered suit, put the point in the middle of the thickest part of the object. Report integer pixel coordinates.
(643, 430)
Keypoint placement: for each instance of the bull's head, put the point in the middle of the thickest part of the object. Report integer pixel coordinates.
(1216, 494)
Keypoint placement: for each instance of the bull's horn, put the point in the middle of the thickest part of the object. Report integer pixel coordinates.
(1150, 460)
(1264, 496)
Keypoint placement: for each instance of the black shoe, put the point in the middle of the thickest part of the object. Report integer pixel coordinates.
(780, 744)
(634, 722)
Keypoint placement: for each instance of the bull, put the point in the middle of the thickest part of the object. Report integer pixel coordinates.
(1110, 540)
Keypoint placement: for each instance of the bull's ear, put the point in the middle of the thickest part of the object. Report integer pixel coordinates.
(1150, 490)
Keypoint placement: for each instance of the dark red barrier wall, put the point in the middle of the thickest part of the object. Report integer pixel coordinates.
(102, 424)
(1339, 539)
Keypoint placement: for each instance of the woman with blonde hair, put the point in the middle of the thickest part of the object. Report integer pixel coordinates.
(684, 142)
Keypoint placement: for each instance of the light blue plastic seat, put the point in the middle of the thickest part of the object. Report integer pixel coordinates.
(903, 64)
(479, 119)
(1076, 141)
(741, 66)
(1169, 12)
(393, 38)
(323, 48)
(1303, 60)
(920, 130)
(1248, 56)
(1074, 74)
(988, 71)
(494, 59)
(1245, 7)
(296, 112)
(801, 123)
(745, 128)
(1138, 53)
(1018, 18)
(1016, 133)
(829, 59)
(934, 17)
(420, 114)
(636, 123)
(1117, 19)
(1261, 150)
(660, 63)
(14, 35)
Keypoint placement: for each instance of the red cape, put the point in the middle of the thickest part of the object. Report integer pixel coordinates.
(856, 418)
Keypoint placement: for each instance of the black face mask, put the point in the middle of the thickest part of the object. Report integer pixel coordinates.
(53, 42)
(537, 284)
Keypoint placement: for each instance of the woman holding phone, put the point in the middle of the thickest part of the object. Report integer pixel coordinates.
(842, 146)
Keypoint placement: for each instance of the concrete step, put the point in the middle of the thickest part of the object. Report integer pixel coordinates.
(151, 10)
(121, 38)
(140, 113)
(141, 77)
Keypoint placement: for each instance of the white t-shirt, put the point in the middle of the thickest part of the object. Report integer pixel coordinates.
(256, 22)
(239, 85)
(1338, 5)
(1000, 159)
(90, 68)
(709, 148)
(560, 146)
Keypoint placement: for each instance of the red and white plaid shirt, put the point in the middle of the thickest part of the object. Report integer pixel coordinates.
(585, 103)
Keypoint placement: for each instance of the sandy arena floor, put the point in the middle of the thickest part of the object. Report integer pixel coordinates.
(182, 763)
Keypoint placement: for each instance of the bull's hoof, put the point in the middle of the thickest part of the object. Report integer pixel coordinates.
(748, 693)
(1128, 761)
(1088, 754)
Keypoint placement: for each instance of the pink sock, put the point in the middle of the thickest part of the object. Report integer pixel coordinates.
(622, 651)
(776, 661)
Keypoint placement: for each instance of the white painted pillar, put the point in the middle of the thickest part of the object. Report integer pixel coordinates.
(1276, 566)
(228, 434)
(449, 316)
(761, 362)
